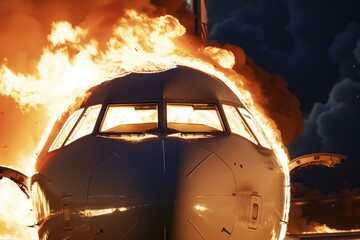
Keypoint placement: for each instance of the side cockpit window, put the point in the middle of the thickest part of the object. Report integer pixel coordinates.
(237, 124)
(260, 135)
(65, 130)
(193, 118)
(83, 127)
(137, 118)
(86, 123)
(242, 123)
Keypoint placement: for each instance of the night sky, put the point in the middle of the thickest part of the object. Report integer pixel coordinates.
(313, 45)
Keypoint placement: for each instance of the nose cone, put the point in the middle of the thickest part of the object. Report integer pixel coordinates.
(161, 189)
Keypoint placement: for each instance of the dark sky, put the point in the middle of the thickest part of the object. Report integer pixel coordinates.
(313, 45)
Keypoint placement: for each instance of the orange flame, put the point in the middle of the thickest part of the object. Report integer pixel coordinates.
(323, 228)
(72, 62)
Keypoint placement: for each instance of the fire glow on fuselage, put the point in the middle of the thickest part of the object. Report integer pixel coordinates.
(62, 77)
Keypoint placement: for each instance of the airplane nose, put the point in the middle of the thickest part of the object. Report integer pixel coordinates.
(163, 189)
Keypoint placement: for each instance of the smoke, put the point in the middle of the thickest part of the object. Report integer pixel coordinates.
(306, 42)
(333, 126)
(280, 104)
(316, 47)
(291, 38)
(271, 92)
(247, 27)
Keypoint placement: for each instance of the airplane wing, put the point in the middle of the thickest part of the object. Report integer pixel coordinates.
(19, 178)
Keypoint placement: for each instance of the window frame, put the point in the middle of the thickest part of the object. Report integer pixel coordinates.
(61, 132)
(65, 142)
(250, 116)
(258, 143)
(187, 103)
(104, 114)
(243, 122)
(83, 119)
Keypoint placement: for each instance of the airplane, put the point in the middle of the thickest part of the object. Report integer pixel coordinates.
(172, 154)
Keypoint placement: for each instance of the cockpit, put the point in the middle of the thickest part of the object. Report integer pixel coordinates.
(140, 121)
(178, 102)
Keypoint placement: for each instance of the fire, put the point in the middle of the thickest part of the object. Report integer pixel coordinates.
(323, 228)
(73, 61)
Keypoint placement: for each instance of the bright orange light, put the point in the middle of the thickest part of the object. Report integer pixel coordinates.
(323, 228)
(15, 213)
(137, 43)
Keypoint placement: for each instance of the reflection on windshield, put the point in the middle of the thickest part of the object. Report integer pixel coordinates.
(236, 123)
(255, 128)
(65, 130)
(130, 118)
(86, 123)
(193, 118)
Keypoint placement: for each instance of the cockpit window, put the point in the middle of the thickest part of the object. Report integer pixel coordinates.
(86, 123)
(260, 135)
(193, 118)
(65, 130)
(137, 118)
(237, 124)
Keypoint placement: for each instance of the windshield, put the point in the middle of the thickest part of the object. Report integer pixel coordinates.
(66, 129)
(236, 123)
(86, 123)
(137, 118)
(255, 128)
(193, 118)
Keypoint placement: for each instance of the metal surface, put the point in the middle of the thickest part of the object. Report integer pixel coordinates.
(160, 184)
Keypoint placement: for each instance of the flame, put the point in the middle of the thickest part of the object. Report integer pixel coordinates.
(73, 61)
(323, 228)
(15, 214)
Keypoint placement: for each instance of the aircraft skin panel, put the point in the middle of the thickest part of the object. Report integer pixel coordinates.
(162, 184)
(179, 83)
(207, 195)
(254, 174)
(205, 186)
